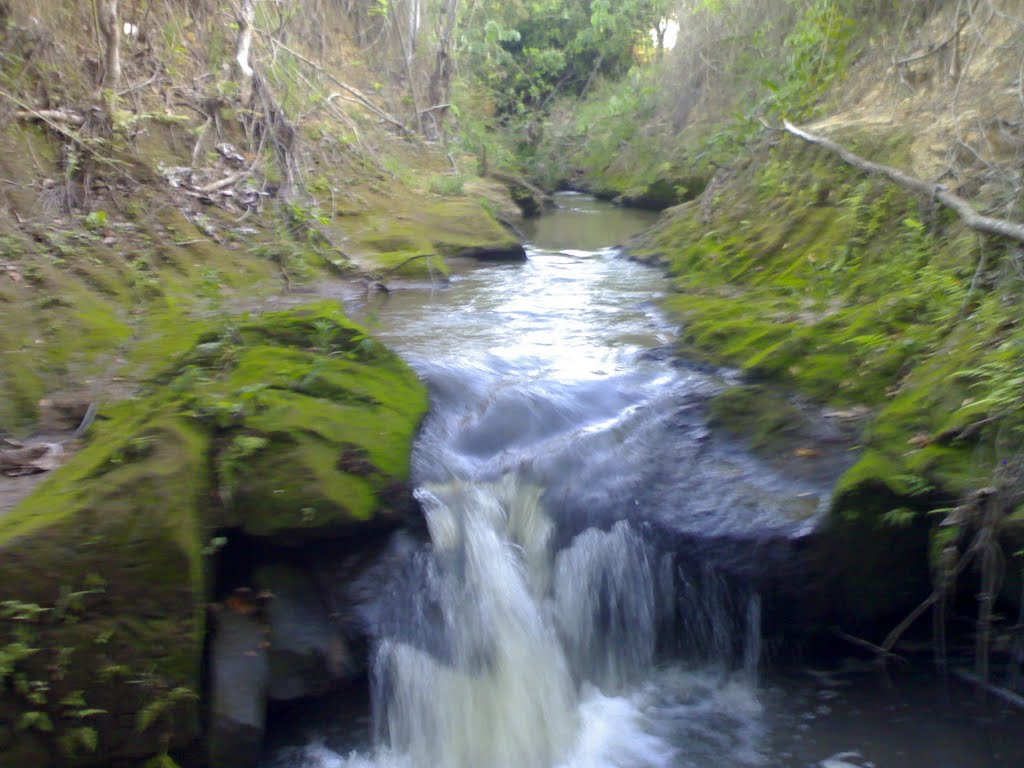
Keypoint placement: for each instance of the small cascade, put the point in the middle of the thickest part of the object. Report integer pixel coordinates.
(600, 559)
(605, 607)
(511, 655)
(502, 694)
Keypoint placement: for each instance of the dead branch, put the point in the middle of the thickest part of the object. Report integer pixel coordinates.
(936, 47)
(54, 115)
(356, 94)
(64, 129)
(245, 19)
(227, 181)
(938, 192)
(110, 28)
(1006, 695)
(407, 261)
(881, 653)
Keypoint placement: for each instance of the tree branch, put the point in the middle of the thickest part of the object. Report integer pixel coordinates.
(358, 96)
(959, 205)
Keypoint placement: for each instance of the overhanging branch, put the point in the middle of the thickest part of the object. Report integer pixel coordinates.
(967, 213)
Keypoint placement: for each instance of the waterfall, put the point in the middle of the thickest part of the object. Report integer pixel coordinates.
(516, 656)
(503, 696)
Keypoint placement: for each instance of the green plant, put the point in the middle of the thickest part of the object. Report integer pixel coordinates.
(324, 333)
(447, 185)
(96, 221)
(160, 709)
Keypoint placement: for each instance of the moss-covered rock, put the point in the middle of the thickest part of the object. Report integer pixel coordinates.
(314, 425)
(665, 192)
(415, 239)
(290, 426)
(101, 574)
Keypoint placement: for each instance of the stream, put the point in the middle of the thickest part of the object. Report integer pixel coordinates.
(605, 572)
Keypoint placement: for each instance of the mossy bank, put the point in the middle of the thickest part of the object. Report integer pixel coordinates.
(797, 268)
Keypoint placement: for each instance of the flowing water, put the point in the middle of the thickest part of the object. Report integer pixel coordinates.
(596, 585)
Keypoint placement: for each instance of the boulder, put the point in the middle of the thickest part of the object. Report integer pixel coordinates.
(103, 594)
(307, 653)
(239, 681)
(290, 428)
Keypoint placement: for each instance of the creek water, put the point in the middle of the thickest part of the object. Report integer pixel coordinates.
(592, 592)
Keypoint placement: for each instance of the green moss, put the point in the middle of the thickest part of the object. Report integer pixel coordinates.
(292, 426)
(766, 419)
(447, 228)
(803, 272)
(338, 413)
(120, 523)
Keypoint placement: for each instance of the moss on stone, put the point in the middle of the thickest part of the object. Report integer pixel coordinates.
(443, 227)
(111, 545)
(290, 426)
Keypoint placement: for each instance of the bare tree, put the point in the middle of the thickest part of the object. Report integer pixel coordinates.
(107, 16)
(441, 77)
(243, 72)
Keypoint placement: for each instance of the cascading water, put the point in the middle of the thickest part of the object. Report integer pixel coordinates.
(503, 695)
(508, 654)
(589, 594)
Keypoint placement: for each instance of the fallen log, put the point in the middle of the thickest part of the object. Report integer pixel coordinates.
(52, 115)
(29, 459)
(977, 221)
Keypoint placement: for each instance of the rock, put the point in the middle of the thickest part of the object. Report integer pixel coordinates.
(105, 567)
(292, 427)
(531, 200)
(875, 573)
(239, 681)
(510, 252)
(398, 243)
(323, 448)
(308, 655)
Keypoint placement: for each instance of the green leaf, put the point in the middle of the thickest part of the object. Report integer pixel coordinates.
(35, 721)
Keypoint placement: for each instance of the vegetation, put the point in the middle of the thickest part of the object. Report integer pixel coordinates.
(798, 268)
(167, 167)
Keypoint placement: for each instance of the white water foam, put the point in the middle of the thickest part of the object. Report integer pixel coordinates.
(548, 659)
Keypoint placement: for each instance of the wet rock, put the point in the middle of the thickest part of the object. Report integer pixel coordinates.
(289, 428)
(511, 252)
(308, 655)
(240, 674)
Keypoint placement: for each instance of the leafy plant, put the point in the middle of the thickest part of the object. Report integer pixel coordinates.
(96, 221)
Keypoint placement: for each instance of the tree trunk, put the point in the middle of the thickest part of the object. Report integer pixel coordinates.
(407, 43)
(441, 78)
(246, 18)
(106, 13)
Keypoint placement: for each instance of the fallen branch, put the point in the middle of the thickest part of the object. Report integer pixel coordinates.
(880, 652)
(397, 267)
(967, 213)
(359, 97)
(54, 115)
(1006, 695)
(227, 181)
